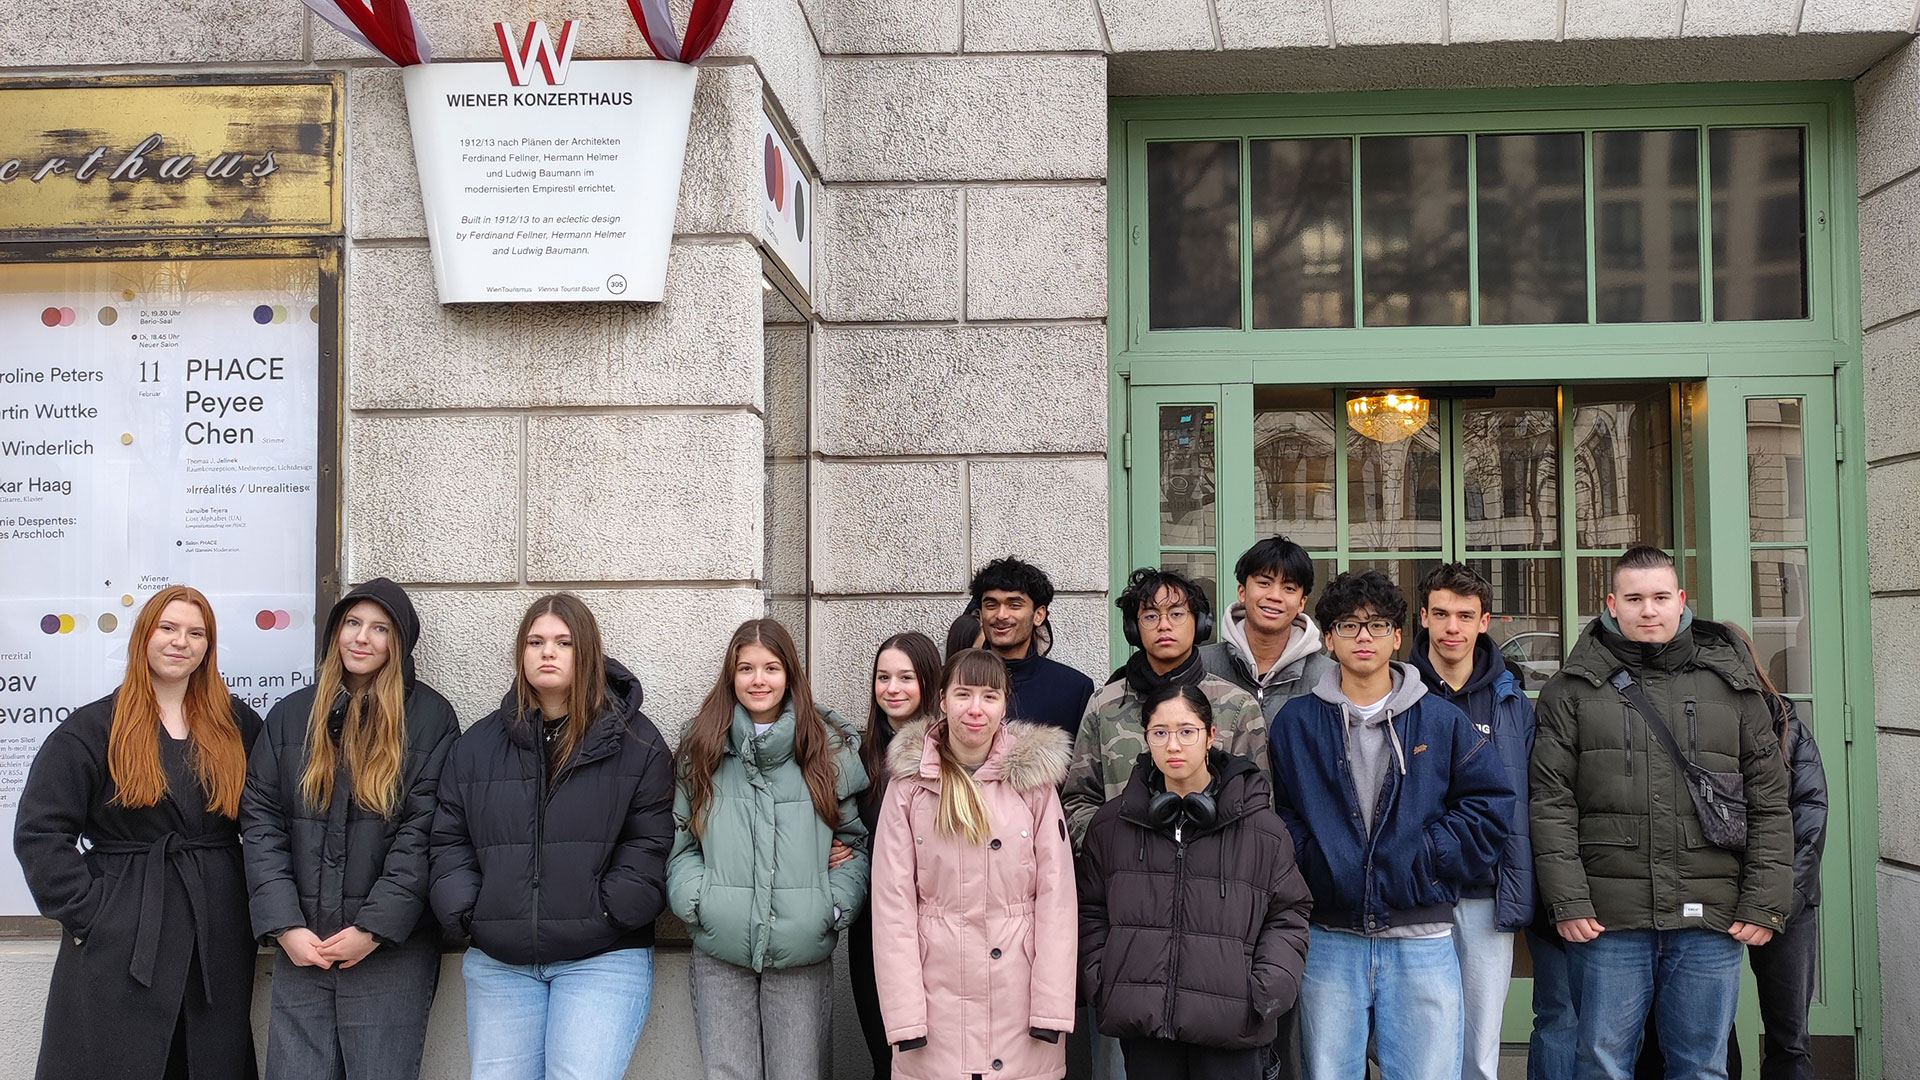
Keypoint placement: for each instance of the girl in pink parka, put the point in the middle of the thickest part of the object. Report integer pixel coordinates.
(973, 889)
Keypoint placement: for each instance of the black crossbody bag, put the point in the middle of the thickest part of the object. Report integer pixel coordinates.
(1719, 798)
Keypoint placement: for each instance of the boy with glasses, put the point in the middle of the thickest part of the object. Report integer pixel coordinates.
(1395, 802)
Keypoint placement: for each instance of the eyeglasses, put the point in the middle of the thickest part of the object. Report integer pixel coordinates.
(1185, 736)
(1172, 616)
(1350, 628)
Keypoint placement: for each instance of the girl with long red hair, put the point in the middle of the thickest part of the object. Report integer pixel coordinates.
(128, 835)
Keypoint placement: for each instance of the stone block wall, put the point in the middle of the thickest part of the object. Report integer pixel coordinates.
(1888, 104)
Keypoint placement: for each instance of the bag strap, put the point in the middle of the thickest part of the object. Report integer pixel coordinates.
(1624, 682)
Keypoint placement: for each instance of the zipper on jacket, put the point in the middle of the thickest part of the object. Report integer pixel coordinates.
(539, 837)
(1626, 728)
(1179, 927)
(1693, 731)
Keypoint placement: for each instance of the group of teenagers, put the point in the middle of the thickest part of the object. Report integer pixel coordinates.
(1285, 853)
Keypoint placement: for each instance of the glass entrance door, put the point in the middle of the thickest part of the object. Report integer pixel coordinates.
(1539, 488)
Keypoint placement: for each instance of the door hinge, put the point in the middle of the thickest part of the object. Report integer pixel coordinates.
(1847, 729)
(1859, 1010)
(1839, 442)
(1126, 450)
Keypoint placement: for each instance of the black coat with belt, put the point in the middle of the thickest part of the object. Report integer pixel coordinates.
(1202, 938)
(155, 913)
(538, 869)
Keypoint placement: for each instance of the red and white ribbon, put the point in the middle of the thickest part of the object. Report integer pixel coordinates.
(656, 25)
(385, 26)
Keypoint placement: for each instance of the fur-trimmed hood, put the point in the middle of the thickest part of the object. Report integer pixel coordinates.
(1026, 755)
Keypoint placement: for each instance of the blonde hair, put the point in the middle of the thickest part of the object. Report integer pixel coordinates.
(373, 736)
(963, 810)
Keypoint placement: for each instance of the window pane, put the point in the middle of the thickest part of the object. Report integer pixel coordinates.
(1393, 491)
(1293, 466)
(1622, 465)
(1193, 235)
(1202, 567)
(1593, 581)
(1526, 614)
(1759, 223)
(1533, 228)
(1776, 471)
(1413, 220)
(1509, 476)
(1647, 225)
(1302, 194)
(1782, 623)
(1186, 476)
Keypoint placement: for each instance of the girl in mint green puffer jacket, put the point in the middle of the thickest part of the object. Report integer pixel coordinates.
(769, 859)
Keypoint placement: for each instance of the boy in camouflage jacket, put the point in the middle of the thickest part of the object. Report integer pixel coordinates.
(1163, 614)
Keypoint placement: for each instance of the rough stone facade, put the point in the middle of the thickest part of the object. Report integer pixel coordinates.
(952, 393)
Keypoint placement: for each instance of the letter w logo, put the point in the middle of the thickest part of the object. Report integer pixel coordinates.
(537, 45)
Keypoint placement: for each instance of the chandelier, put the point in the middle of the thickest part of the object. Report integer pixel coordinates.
(1388, 416)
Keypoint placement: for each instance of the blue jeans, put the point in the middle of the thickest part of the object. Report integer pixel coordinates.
(1403, 992)
(1550, 1052)
(1689, 979)
(571, 1020)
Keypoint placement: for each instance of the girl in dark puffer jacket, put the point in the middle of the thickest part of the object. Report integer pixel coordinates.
(1193, 916)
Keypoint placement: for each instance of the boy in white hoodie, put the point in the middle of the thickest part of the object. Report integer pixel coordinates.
(1269, 645)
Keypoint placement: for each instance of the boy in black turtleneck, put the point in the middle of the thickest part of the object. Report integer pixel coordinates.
(1011, 598)
(1457, 660)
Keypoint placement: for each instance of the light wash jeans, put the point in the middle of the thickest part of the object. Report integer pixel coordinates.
(570, 1020)
(1403, 992)
(1486, 967)
(1690, 979)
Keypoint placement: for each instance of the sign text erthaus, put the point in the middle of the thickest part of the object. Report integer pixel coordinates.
(548, 178)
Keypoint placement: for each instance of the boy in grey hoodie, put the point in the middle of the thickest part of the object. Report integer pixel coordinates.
(1269, 645)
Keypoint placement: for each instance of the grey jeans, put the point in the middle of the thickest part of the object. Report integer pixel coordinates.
(766, 1025)
(367, 1022)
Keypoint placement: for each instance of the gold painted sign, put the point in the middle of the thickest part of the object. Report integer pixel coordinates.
(136, 157)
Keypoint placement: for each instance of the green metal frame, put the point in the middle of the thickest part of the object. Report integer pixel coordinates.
(1222, 367)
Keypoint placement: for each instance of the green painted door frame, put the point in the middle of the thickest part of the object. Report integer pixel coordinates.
(1816, 359)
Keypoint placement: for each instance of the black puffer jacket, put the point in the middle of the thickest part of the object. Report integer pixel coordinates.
(539, 871)
(330, 867)
(1203, 939)
(1807, 798)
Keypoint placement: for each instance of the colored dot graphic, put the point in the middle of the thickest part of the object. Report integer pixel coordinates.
(273, 620)
(270, 313)
(109, 316)
(57, 624)
(61, 316)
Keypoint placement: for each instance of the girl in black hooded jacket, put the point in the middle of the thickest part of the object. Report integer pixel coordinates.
(550, 853)
(1193, 916)
(337, 811)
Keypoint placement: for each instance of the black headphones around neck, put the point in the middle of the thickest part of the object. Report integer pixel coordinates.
(1166, 811)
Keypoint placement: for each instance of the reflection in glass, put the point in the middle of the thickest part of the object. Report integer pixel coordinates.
(1393, 492)
(1413, 221)
(1302, 196)
(1776, 471)
(1593, 580)
(1782, 621)
(1186, 476)
(1693, 406)
(1533, 228)
(1622, 465)
(1293, 464)
(1511, 485)
(1526, 614)
(1759, 223)
(1203, 568)
(1647, 226)
(1193, 235)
